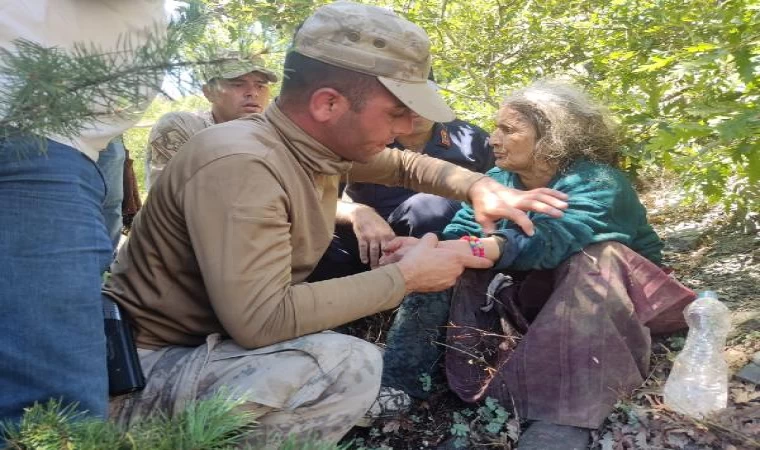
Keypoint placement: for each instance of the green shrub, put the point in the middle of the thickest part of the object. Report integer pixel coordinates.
(213, 424)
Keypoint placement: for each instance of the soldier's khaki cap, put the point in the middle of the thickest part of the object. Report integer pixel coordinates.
(375, 41)
(238, 66)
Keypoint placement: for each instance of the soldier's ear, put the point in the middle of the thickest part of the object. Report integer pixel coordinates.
(209, 92)
(327, 104)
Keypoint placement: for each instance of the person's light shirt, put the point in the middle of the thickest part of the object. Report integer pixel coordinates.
(64, 23)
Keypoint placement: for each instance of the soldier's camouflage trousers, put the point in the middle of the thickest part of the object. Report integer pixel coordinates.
(313, 387)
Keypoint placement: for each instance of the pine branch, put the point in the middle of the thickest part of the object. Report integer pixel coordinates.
(48, 91)
(217, 423)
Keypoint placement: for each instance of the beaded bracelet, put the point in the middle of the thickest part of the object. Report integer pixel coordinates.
(476, 245)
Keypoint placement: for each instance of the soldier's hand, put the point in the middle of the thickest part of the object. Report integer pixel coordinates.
(427, 268)
(396, 248)
(372, 233)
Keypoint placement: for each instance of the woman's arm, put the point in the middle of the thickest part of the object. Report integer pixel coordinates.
(397, 248)
(603, 207)
(492, 246)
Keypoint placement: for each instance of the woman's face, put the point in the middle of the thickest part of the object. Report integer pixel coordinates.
(514, 142)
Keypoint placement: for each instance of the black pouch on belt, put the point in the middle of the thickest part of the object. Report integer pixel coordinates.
(124, 371)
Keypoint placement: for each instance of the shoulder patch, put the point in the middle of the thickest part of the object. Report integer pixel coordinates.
(445, 138)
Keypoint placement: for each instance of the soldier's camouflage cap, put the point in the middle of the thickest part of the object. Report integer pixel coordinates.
(238, 66)
(375, 41)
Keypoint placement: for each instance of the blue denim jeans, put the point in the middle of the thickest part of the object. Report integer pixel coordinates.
(421, 214)
(53, 251)
(111, 164)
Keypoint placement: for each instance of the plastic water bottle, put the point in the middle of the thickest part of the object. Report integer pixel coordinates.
(698, 382)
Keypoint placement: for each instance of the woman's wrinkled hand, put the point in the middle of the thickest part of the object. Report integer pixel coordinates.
(491, 201)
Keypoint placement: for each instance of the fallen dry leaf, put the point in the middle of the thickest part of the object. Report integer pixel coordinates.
(391, 426)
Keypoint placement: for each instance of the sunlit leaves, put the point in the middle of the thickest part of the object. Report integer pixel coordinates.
(681, 76)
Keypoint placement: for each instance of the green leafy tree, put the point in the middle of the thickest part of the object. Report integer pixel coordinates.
(49, 90)
(680, 76)
(57, 91)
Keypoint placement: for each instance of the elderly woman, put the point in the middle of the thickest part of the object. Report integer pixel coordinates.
(560, 328)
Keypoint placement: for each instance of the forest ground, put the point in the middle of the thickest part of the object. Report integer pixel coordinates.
(708, 251)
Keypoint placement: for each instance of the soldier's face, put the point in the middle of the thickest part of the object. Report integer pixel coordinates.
(236, 97)
(365, 133)
(420, 125)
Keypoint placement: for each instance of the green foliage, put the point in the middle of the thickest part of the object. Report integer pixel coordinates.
(214, 424)
(360, 444)
(426, 381)
(494, 415)
(210, 424)
(681, 77)
(460, 431)
(52, 427)
(487, 424)
(49, 90)
(676, 343)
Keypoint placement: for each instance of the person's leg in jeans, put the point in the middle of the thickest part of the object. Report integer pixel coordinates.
(413, 347)
(423, 213)
(111, 164)
(417, 215)
(53, 250)
(341, 258)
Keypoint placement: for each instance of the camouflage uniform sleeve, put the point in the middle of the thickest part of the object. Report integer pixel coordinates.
(166, 137)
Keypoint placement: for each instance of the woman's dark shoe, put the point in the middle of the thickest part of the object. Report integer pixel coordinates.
(548, 436)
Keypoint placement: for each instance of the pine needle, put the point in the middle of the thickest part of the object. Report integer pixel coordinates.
(218, 423)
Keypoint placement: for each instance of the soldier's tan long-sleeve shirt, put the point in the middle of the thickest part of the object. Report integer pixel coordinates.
(238, 220)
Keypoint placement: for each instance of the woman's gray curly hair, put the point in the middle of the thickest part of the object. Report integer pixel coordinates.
(568, 125)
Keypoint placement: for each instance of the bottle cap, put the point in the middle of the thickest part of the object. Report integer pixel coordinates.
(708, 294)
